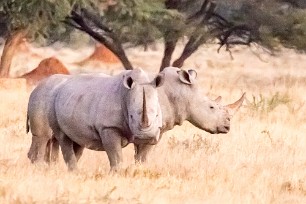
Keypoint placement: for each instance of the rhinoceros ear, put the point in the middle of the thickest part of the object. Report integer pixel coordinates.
(193, 73)
(187, 77)
(159, 80)
(128, 82)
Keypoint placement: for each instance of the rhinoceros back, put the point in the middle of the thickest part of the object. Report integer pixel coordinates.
(40, 101)
(85, 104)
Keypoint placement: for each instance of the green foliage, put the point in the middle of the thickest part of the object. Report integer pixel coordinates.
(274, 22)
(40, 18)
(194, 144)
(266, 104)
(297, 39)
(139, 22)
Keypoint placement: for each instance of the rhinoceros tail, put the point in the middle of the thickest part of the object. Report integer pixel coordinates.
(28, 124)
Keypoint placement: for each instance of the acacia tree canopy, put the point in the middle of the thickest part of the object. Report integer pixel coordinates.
(273, 22)
(140, 22)
(41, 19)
(35, 20)
(269, 23)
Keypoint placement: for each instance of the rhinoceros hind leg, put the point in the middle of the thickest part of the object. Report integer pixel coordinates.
(37, 149)
(67, 149)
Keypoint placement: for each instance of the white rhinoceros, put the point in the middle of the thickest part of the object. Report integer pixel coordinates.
(101, 113)
(180, 99)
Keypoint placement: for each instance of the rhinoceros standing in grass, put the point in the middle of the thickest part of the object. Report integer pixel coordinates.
(104, 113)
(40, 102)
(181, 99)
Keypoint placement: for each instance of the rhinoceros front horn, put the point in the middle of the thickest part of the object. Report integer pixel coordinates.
(234, 107)
(145, 119)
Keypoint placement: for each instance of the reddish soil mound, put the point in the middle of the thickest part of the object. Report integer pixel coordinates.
(101, 54)
(46, 67)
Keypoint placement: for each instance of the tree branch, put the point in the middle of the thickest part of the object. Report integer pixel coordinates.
(243, 36)
(168, 51)
(89, 23)
(200, 13)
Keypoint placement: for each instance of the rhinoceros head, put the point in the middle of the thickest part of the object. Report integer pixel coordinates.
(202, 112)
(143, 109)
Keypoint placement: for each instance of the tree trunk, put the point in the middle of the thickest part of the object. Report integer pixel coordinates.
(191, 46)
(123, 58)
(11, 44)
(93, 25)
(180, 61)
(113, 45)
(169, 49)
(116, 48)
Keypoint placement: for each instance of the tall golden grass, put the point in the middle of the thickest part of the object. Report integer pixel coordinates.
(261, 160)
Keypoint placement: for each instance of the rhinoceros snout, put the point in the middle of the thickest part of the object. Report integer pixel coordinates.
(145, 127)
(147, 137)
(227, 128)
(149, 141)
(223, 129)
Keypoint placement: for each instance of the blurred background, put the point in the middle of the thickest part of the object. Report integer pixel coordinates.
(236, 46)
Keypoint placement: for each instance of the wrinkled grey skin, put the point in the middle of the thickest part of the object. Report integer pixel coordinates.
(104, 113)
(39, 104)
(181, 99)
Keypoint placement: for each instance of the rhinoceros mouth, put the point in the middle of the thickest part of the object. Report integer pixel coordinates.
(147, 137)
(219, 130)
(223, 129)
(145, 130)
(152, 141)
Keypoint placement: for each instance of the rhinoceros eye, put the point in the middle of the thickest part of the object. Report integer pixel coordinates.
(211, 107)
(131, 116)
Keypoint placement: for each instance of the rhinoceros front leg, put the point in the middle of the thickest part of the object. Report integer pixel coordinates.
(111, 140)
(68, 152)
(52, 151)
(141, 152)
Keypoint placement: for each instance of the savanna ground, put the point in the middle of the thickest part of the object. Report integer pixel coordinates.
(261, 160)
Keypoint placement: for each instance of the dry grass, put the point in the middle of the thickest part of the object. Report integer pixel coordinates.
(261, 160)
